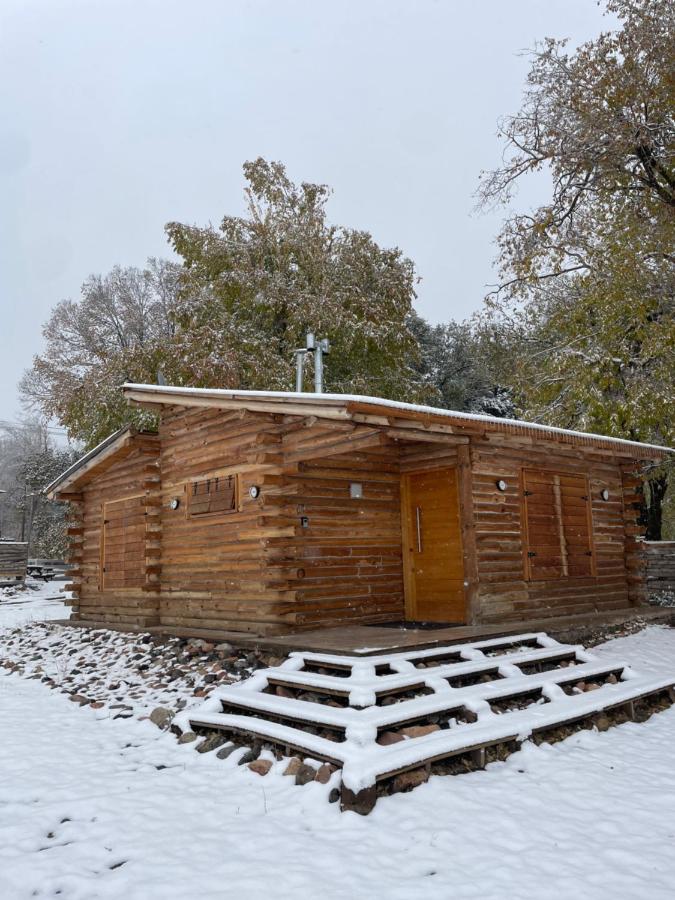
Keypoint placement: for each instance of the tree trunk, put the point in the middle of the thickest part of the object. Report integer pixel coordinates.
(657, 488)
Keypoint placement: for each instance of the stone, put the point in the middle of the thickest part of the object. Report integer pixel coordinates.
(187, 737)
(305, 774)
(334, 795)
(406, 781)
(611, 679)
(282, 691)
(224, 649)
(361, 802)
(78, 698)
(415, 731)
(592, 687)
(97, 704)
(602, 723)
(212, 742)
(250, 755)
(293, 766)
(261, 766)
(389, 737)
(161, 717)
(226, 751)
(580, 686)
(324, 773)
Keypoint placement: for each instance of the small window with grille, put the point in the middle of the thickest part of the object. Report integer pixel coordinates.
(213, 496)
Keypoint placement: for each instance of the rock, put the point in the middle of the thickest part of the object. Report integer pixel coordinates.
(161, 717)
(324, 773)
(611, 679)
(187, 737)
(97, 704)
(224, 649)
(361, 802)
(224, 752)
(274, 661)
(580, 686)
(293, 766)
(389, 737)
(240, 665)
(78, 698)
(415, 731)
(282, 691)
(602, 723)
(406, 781)
(592, 687)
(334, 795)
(305, 774)
(248, 757)
(212, 742)
(261, 766)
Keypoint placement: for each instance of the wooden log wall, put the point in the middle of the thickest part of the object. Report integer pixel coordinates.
(347, 560)
(659, 559)
(220, 570)
(134, 475)
(504, 591)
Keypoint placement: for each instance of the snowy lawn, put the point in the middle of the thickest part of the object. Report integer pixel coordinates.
(92, 807)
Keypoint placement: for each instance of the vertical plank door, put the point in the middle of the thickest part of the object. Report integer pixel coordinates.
(432, 547)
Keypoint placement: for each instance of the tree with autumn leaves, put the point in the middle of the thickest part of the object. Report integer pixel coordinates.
(582, 325)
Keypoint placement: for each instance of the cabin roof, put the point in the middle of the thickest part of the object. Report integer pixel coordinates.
(116, 445)
(362, 408)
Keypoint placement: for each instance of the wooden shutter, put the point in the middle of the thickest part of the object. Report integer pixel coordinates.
(557, 525)
(543, 559)
(213, 495)
(123, 544)
(577, 528)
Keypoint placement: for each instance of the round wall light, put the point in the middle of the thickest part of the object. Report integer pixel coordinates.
(501, 484)
(604, 493)
(175, 503)
(254, 492)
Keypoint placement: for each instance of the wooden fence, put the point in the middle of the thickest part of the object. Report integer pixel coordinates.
(13, 559)
(660, 566)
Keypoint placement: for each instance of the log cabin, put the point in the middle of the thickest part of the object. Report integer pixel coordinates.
(272, 512)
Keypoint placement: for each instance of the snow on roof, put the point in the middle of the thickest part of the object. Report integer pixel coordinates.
(415, 410)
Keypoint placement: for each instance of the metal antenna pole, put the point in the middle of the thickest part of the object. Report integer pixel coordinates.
(318, 369)
(300, 369)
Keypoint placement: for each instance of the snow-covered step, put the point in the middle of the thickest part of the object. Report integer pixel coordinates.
(364, 714)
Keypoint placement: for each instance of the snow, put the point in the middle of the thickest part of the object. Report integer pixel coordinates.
(337, 399)
(92, 807)
(37, 602)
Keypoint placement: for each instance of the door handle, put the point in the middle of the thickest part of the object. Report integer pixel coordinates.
(418, 522)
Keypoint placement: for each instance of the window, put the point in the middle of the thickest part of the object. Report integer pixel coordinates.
(123, 544)
(557, 525)
(213, 496)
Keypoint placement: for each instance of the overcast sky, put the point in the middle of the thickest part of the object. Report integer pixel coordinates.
(117, 116)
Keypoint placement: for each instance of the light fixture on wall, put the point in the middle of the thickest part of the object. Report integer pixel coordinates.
(175, 503)
(501, 484)
(254, 492)
(604, 493)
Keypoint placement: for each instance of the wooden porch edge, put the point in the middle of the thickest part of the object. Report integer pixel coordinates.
(369, 640)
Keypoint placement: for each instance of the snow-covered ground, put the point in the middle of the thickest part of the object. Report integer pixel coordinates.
(92, 807)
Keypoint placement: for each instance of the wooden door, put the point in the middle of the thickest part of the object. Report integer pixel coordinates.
(432, 547)
(123, 543)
